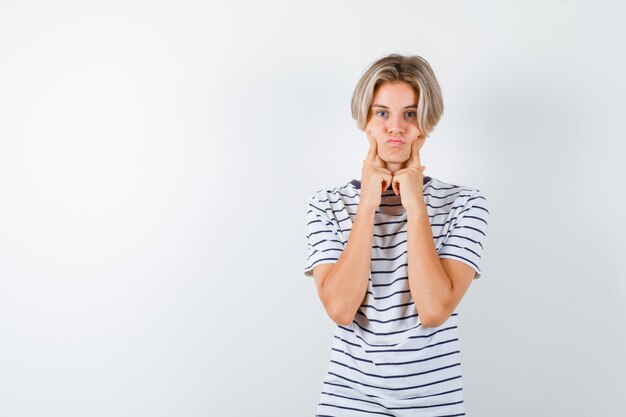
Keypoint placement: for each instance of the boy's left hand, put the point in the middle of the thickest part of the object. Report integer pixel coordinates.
(408, 182)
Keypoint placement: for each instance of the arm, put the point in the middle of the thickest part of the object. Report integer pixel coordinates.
(342, 286)
(437, 285)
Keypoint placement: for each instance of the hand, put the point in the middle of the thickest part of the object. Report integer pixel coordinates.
(410, 180)
(375, 177)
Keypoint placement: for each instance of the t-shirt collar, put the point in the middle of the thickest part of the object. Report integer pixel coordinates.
(357, 183)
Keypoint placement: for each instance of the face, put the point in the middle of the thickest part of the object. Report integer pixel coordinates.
(392, 122)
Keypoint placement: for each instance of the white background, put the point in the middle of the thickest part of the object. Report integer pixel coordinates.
(156, 159)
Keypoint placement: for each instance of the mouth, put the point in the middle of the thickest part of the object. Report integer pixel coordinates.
(395, 141)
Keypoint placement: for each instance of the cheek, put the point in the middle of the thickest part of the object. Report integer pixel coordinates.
(416, 130)
(373, 123)
(371, 128)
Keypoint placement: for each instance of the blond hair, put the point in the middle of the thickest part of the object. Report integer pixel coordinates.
(411, 69)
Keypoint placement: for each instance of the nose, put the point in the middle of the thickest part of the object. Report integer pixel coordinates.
(395, 125)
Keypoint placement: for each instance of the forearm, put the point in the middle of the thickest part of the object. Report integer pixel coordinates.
(430, 286)
(347, 282)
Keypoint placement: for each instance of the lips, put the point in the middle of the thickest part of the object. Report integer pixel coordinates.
(395, 141)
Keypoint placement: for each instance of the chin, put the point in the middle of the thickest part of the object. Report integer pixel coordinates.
(396, 160)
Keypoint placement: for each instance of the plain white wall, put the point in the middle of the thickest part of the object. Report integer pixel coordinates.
(156, 158)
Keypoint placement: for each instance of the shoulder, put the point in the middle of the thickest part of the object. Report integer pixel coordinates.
(329, 196)
(453, 194)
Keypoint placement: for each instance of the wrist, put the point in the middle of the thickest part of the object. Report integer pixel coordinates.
(364, 210)
(416, 210)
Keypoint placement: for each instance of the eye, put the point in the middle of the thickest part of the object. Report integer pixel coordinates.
(410, 114)
(381, 111)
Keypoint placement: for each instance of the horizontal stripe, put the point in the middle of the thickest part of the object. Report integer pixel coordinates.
(394, 376)
(365, 329)
(394, 388)
(466, 238)
(391, 271)
(358, 336)
(390, 320)
(389, 283)
(322, 260)
(352, 398)
(391, 408)
(408, 398)
(462, 247)
(434, 345)
(417, 336)
(387, 308)
(454, 255)
(354, 357)
(357, 409)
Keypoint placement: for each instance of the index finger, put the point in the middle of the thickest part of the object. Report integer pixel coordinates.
(415, 152)
(371, 154)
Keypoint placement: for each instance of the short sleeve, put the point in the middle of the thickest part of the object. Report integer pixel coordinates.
(324, 242)
(466, 239)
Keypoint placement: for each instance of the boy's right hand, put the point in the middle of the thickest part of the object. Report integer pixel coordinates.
(375, 177)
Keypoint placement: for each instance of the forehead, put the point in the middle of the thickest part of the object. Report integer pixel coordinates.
(398, 93)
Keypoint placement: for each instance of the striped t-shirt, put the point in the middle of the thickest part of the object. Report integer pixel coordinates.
(385, 363)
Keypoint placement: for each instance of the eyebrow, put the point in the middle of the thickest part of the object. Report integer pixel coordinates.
(385, 107)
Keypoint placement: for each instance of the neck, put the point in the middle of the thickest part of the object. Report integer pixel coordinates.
(396, 166)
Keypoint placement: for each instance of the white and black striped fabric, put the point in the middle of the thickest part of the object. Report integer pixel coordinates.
(385, 363)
